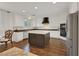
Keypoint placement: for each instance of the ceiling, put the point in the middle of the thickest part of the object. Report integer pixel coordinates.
(44, 8)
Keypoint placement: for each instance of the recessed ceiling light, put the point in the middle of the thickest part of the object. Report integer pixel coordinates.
(23, 11)
(36, 7)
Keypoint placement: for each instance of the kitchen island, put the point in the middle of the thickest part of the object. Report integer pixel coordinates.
(39, 39)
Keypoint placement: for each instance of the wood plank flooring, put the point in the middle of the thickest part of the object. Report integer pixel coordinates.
(56, 47)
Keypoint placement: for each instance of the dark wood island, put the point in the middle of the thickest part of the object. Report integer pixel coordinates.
(39, 39)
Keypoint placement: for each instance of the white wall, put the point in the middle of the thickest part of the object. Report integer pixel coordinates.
(8, 21)
(55, 20)
(73, 7)
(19, 20)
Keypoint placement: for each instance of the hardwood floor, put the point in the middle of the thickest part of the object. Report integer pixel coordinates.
(56, 47)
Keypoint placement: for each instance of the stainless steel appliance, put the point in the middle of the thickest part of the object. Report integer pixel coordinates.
(63, 29)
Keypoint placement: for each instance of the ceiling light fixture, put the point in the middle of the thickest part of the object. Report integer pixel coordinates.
(23, 11)
(35, 7)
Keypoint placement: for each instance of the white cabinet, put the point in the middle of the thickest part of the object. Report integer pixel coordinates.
(17, 36)
(54, 34)
(25, 35)
(18, 24)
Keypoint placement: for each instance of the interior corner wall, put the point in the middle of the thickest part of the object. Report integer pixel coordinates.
(9, 20)
(6, 21)
(73, 7)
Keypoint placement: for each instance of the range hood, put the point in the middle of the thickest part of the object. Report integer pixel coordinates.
(45, 20)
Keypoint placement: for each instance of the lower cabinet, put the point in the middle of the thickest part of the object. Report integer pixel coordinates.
(25, 34)
(17, 36)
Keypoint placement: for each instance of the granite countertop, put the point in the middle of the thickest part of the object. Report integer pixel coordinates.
(21, 30)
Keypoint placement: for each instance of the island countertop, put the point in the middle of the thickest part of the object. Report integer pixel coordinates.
(38, 32)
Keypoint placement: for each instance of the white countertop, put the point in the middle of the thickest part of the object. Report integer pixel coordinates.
(38, 32)
(64, 38)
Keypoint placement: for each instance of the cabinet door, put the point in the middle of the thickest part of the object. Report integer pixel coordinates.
(17, 36)
(32, 39)
(40, 40)
(25, 34)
